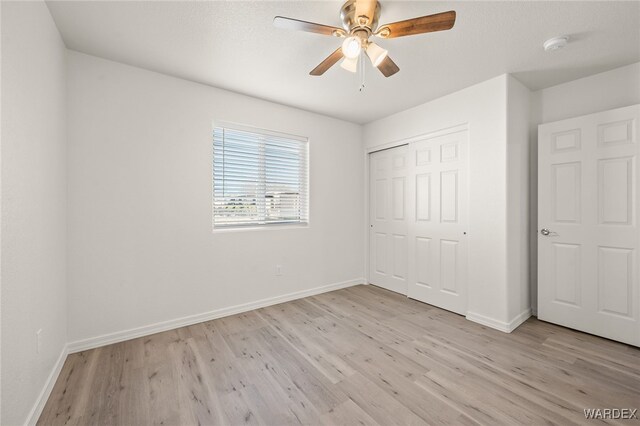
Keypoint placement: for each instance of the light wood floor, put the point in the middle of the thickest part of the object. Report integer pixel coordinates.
(362, 355)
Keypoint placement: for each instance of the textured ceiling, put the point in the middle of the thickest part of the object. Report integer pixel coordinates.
(233, 45)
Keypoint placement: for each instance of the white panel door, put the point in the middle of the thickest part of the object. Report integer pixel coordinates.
(588, 224)
(438, 221)
(388, 219)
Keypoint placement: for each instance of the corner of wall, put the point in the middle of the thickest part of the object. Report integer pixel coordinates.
(33, 239)
(518, 201)
(43, 396)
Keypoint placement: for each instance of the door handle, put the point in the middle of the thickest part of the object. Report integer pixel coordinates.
(546, 232)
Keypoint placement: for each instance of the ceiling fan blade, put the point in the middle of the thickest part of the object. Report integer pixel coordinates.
(328, 62)
(296, 24)
(388, 67)
(425, 24)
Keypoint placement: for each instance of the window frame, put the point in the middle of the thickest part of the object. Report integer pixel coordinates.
(256, 226)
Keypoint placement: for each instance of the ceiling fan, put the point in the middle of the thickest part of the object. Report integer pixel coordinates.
(360, 22)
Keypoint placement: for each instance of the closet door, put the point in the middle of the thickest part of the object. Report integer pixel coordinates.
(388, 219)
(438, 221)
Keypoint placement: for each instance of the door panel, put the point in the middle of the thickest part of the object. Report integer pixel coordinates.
(615, 191)
(587, 199)
(398, 198)
(424, 262)
(448, 262)
(380, 244)
(400, 257)
(566, 189)
(449, 196)
(437, 212)
(566, 273)
(423, 197)
(380, 199)
(388, 221)
(614, 281)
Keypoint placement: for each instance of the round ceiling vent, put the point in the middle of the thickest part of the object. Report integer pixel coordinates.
(555, 43)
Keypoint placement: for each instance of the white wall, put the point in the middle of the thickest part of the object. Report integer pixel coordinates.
(608, 90)
(484, 108)
(33, 204)
(600, 92)
(518, 104)
(141, 247)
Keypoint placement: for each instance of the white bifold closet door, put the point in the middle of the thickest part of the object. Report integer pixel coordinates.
(588, 237)
(418, 220)
(388, 219)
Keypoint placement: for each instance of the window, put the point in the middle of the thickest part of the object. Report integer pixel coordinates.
(259, 178)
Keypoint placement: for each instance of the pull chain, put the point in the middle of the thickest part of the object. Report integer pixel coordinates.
(361, 71)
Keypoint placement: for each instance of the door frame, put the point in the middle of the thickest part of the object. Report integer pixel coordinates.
(407, 141)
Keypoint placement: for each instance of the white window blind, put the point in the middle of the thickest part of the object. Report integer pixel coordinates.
(258, 178)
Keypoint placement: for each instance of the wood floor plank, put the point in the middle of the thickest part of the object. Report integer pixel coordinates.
(537, 370)
(542, 395)
(379, 404)
(323, 394)
(361, 355)
(197, 401)
(390, 374)
(68, 399)
(316, 351)
(347, 414)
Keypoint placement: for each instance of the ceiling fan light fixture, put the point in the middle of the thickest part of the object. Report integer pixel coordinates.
(376, 54)
(351, 47)
(350, 64)
(360, 22)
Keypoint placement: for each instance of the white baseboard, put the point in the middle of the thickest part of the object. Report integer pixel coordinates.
(36, 411)
(506, 327)
(120, 336)
(519, 319)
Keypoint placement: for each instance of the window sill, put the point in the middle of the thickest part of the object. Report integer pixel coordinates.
(280, 227)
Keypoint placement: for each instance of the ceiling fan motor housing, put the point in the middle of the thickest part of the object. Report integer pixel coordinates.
(360, 18)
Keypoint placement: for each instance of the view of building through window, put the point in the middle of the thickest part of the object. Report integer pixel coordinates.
(258, 178)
